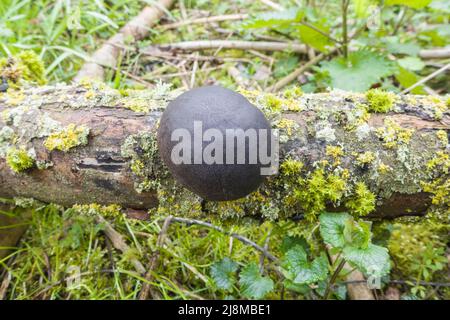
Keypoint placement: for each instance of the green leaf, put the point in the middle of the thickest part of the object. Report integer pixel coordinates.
(253, 284)
(332, 227)
(359, 72)
(285, 66)
(407, 78)
(372, 261)
(415, 4)
(300, 271)
(315, 39)
(361, 8)
(393, 45)
(275, 19)
(290, 241)
(223, 273)
(411, 63)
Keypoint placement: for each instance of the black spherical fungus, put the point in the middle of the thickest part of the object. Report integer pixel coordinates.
(215, 108)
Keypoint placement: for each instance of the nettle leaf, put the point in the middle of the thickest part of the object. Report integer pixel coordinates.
(223, 273)
(340, 230)
(315, 39)
(359, 71)
(407, 78)
(416, 4)
(411, 63)
(291, 241)
(332, 228)
(274, 19)
(299, 270)
(253, 284)
(372, 261)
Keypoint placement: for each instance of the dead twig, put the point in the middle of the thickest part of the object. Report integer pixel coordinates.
(108, 53)
(429, 77)
(231, 44)
(293, 75)
(221, 18)
(231, 234)
(145, 291)
(119, 243)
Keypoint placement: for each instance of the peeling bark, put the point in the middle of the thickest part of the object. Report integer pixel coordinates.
(100, 172)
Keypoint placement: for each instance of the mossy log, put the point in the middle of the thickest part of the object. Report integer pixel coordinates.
(88, 143)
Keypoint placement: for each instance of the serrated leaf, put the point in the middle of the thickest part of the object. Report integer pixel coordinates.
(223, 273)
(253, 284)
(416, 4)
(358, 72)
(372, 261)
(411, 63)
(274, 19)
(332, 228)
(315, 39)
(407, 78)
(290, 241)
(300, 271)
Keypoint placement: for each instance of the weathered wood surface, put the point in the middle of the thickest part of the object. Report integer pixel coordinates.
(100, 170)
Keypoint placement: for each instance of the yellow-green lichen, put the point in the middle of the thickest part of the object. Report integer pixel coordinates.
(442, 137)
(441, 161)
(291, 167)
(392, 134)
(379, 100)
(19, 159)
(362, 202)
(67, 138)
(383, 168)
(365, 158)
(336, 152)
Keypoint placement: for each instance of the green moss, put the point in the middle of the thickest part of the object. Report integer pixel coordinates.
(418, 250)
(273, 102)
(441, 161)
(362, 202)
(293, 92)
(291, 167)
(312, 194)
(19, 159)
(25, 66)
(67, 138)
(379, 101)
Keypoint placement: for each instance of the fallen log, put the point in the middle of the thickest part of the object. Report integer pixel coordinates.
(86, 143)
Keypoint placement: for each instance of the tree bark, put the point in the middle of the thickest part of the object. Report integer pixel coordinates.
(101, 171)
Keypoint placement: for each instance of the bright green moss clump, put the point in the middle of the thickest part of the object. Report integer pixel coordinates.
(24, 66)
(379, 101)
(67, 138)
(19, 159)
(363, 201)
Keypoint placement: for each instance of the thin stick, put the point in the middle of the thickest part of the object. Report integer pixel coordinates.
(273, 5)
(221, 18)
(232, 44)
(429, 77)
(231, 234)
(143, 295)
(293, 75)
(119, 243)
(108, 53)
